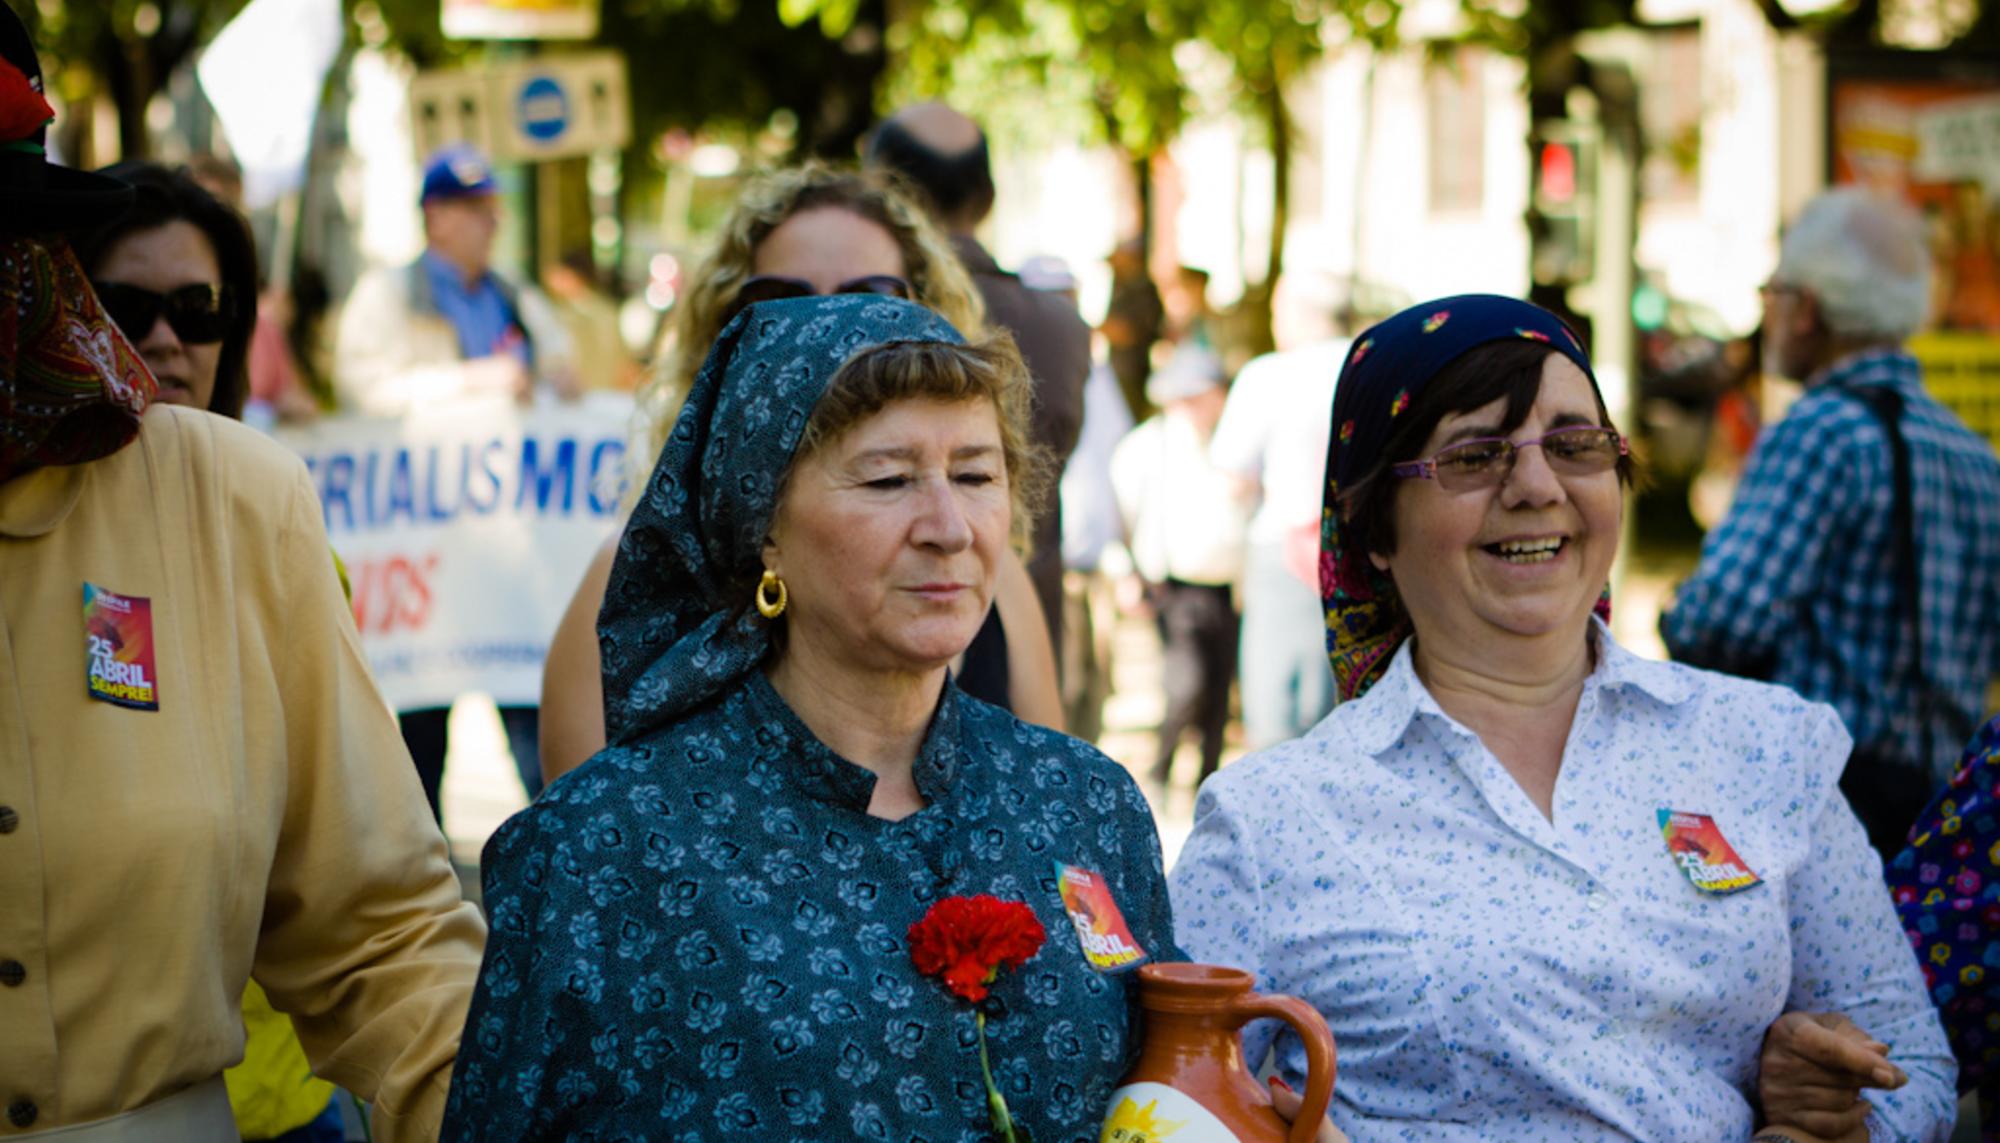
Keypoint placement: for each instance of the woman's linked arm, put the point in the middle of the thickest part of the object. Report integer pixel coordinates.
(1812, 1074)
(1850, 957)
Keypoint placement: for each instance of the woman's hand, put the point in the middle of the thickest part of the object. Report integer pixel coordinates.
(1287, 1102)
(1813, 1069)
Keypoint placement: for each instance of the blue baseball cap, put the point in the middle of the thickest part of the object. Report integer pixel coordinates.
(457, 171)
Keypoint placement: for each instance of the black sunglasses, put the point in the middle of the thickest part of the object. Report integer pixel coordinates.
(770, 287)
(198, 314)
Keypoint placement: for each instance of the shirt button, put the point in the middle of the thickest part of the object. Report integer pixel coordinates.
(22, 1113)
(12, 973)
(9, 820)
(1597, 900)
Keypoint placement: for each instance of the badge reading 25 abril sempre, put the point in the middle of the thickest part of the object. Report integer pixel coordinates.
(1696, 844)
(118, 643)
(1107, 940)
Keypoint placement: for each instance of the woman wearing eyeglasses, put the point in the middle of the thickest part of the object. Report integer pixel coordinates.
(179, 276)
(1542, 888)
(793, 233)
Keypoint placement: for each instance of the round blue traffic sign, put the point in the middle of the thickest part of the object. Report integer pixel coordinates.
(542, 109)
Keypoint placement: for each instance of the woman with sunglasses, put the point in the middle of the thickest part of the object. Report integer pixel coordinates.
(1540, 887)
(178, 274)
(793, 233)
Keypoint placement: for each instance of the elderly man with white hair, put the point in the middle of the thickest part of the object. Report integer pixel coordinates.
(1860, 562)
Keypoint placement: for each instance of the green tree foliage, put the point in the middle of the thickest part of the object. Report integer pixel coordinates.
(121, 50)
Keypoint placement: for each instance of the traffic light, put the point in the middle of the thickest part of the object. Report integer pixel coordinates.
(1562, 219)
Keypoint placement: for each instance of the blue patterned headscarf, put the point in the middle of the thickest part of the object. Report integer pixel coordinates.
(1386, 370)
(677, 628)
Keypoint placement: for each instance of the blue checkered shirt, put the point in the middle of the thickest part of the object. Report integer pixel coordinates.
(1799, 583)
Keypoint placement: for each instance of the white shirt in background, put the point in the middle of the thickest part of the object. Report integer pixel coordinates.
(1089, 507)
(1182, 517)
(1274, 431)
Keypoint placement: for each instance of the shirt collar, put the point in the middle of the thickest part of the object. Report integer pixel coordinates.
(34, 503)
(1381, 717)
(1868, 367)
(813, 769)
(447, 278)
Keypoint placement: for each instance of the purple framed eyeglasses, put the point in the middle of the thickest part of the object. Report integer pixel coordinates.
(771, 287)
(1578, 450)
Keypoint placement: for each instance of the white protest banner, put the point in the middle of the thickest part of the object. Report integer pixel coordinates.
(465, 528)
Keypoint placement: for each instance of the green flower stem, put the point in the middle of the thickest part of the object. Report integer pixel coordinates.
(996, 1104)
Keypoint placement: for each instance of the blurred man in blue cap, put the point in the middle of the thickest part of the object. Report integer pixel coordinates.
(446, 327)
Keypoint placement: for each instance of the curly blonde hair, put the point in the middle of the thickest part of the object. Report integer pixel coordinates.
(935, 275)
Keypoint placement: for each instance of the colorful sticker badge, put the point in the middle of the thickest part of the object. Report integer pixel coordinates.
(118, 640)
(1698, 847)
(1100, 928)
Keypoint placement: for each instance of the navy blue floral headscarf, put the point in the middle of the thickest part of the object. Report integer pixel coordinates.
(677, 628)
(1386, 370)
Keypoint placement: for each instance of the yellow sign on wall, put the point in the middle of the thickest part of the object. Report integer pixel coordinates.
(1962, 370)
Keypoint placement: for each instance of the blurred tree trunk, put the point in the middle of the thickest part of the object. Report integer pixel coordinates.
(1255, 308)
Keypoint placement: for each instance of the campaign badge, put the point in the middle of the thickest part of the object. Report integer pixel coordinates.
(118, 643)
(1696, 844)
(1100, 928)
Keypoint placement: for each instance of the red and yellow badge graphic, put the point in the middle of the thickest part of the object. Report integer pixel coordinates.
(1698, 847)
(1100, 928)
(118, 639)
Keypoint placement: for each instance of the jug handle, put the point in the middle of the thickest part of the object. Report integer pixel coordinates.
(1312, 1032)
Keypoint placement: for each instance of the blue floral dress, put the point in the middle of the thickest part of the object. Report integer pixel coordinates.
(705, 936)
(1947, 894)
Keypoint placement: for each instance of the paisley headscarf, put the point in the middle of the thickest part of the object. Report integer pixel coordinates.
(71, 387)
(1386, 371)
(677, 628)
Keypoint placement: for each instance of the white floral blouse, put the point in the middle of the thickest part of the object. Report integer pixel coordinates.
(1491, 973)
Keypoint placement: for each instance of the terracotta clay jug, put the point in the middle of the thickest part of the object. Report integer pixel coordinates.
(1190, 1085)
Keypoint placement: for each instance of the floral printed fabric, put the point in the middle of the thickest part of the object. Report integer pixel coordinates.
(1490, 973)
(1386, 369)
(704, 936)
(1948, 895)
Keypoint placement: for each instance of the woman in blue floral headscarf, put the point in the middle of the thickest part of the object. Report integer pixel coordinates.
(1540, 888)
(705, 928)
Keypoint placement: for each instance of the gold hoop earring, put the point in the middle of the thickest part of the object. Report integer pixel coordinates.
(771, 608)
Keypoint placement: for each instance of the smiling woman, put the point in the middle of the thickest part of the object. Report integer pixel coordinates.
(1497, 756)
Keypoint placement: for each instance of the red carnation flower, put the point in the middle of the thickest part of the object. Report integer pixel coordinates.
(966, 941)
(23, 111)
